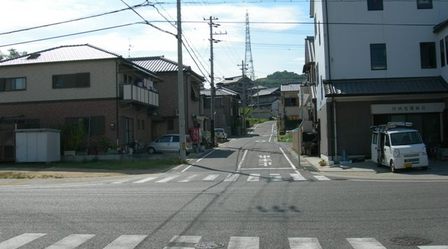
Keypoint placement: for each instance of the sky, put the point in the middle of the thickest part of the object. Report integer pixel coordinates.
(277, 30)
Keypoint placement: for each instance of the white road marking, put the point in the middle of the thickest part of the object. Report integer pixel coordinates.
(321, 178)
(297, 177)
(241, 162)
(200, 159)
(231, 177)
(147, 179)
(264, 168)
(188, 178)
(253, 178)
(433, 247)
(211, 177)
(304, 243)
(244, 243)
(275, 177)
(20, 240)
(365, 243)
(126, 242)
(72, 241)
(289, 161)
(167, 179)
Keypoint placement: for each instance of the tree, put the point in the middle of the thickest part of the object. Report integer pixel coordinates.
(278, 78)
(13, 53)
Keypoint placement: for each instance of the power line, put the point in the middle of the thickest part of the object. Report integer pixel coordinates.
(71, 34)
(146, 21)
(73, 20)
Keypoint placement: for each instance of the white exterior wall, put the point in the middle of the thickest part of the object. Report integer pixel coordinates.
(443, 35)
(350, 44)
(39, 81)
(320, 50)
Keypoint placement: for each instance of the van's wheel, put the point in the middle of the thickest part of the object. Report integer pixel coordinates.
(151, 150)
(392, 166)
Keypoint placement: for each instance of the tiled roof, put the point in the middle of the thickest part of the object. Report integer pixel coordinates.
(156, 64)
(385, 86)
(231, 80)
(62, 53)
(219, 91)
(267, 91)
(290, 88)
(160, 64)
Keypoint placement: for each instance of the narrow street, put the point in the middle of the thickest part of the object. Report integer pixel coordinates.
(248, 193)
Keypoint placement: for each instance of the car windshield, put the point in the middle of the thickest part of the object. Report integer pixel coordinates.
(405, 138)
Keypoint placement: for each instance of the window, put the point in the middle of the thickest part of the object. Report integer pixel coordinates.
(93, 126)
(442, 53)
(12, 84)
(375, 4)
(170, 125)
(428, 55)
(446, 49)
(291, 101)
(77, 80)
(424, 4)
(378, 58)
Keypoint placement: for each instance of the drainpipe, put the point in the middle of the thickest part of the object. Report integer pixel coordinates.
(117, 102)
(335, 130)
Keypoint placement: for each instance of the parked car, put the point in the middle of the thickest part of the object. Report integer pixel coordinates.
(169, 143)
(220, 134)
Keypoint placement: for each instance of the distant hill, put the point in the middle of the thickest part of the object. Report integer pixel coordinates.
(278, 78)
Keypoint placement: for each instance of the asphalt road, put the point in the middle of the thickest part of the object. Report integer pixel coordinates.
(248, 193)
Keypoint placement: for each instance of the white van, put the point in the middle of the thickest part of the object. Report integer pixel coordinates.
(398, 146)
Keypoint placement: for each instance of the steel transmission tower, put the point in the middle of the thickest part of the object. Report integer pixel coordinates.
(248, 53)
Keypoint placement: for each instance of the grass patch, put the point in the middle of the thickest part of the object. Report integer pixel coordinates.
(15, 175)
(254, 121)
(285, 138)
(156, 164)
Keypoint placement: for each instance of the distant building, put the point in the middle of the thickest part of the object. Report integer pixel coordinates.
(289, 115)
(242, 85)
(393, 68)
(226, 109)
(262, 102)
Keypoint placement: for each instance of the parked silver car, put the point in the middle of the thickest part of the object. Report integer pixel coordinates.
(220, 134)
(168, 143)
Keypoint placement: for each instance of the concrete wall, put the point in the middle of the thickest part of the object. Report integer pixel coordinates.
(39, 82)
(443, 35)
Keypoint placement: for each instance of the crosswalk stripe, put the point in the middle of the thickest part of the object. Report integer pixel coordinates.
(211, 177)
(304, 243)
(231, 177)
(188, 178)
(275, 177)
(126, 242)
(433, 247)
(253, 178)
(167, 179)
(147, 179)
(20, 240)
(365, 243)
(72, 241)
(244, 243)
(297, 177)
(321, 178)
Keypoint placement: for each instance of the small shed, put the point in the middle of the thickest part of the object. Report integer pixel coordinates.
(38, 145)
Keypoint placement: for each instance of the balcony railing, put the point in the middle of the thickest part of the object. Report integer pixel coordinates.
(140, 94)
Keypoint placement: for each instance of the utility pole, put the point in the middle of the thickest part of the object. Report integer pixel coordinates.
(212, 77)
(243, 74)
(180, 86)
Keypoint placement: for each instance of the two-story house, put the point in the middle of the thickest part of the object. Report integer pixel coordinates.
(113, 98)
(167, 119)
(226, 109)
(243, 85)
(377, 61)
(289, 107)
(262, 102)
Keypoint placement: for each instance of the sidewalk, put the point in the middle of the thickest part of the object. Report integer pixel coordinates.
(368, 170)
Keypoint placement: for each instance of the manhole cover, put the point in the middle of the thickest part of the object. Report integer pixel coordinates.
(410, 241)
(209, 245)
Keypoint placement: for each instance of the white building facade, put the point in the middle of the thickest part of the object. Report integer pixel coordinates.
(378, 61)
